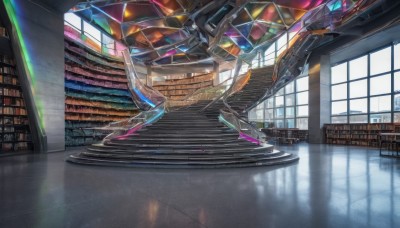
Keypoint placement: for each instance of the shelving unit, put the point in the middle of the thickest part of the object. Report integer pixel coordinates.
(96, 92)
(286, 135)
(179, 88)
(358, 134)
(15, 133)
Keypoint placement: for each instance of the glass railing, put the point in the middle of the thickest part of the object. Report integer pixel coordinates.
(231, 118)
(125, 128)
(150, 101)
(144, 96)
(246, 130)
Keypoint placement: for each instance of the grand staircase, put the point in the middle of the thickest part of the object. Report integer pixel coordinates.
(191, 138)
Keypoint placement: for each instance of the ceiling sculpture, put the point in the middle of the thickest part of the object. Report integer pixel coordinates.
(160, 32)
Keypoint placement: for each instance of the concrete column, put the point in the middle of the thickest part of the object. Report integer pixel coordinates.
(319, 97)
(42, 32)
(216, 73)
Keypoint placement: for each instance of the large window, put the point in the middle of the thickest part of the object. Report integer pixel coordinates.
(268, 57)
(108, 45)
(367, 89)
(288, 108)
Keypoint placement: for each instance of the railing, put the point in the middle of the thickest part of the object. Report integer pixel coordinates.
(123, 129)
(232, 119)
(150, 101)
(144, 96)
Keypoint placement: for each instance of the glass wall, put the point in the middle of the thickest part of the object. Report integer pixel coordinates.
(367, 89)
(288, 108)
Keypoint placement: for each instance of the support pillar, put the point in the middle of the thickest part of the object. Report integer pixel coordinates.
(319, 97)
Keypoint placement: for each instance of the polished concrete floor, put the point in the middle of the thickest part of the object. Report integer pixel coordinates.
(331, 186)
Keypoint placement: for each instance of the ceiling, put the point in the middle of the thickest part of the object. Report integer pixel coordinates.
(164, 32)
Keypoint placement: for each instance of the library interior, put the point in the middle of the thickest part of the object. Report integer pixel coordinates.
(200, 113)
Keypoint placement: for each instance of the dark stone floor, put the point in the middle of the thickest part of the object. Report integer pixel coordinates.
(331, 186)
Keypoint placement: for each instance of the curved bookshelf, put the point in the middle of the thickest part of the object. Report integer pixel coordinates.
(96, 93)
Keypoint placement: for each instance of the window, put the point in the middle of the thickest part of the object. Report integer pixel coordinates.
(367, 89)
(339, 73)
(107, 44)
(381, 61)
(281, 44)
(288, 108)
(73, 20)
(270, 55)
(302, 84)
(90, 30)
(358, 68)
(358, 88)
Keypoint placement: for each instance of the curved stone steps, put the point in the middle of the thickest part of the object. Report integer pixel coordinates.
(181, 151)
(200, 157)
(188, 139)
(235, 163)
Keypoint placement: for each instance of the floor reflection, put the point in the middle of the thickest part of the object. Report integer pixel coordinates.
(331, 186)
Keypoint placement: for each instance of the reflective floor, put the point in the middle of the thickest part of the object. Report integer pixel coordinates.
(331, 186)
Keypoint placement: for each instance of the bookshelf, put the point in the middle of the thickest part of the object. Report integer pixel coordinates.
(358, 134)
(14, 124)
(96, 93)
(286, 135)
(179, 88)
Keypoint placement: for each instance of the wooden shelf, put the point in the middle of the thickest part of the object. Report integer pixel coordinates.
(357, 134)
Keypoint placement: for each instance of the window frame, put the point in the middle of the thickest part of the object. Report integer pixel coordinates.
(369, 78)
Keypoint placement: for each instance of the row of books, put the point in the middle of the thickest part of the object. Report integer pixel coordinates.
(376, 126)
(10, 92)
(80, 141)
(14, 120)
(96, 89)
(101, 98)
(19, 146)
(13, 111)
(7, 60)
(98, 104)
(8, 70)
(84, 117)
(83, 62)
(106, 84)
(3, 32)
(10, 80)
(82, 124)
(78, 70)
(12, 137)
(85, 132)
(12, 101)
(90, 110)
(358, 134)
